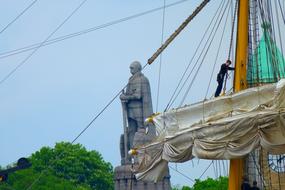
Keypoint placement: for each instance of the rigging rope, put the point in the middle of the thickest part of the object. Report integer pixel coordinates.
(282, 13)
(279, 30)
(18, 66)
(205, 170)
(18, 16)
(82, 131)
(216, 58)
(35, 50)
(181, 27)
(199, 67)
(160, 57)
(231, 44)
(233, 26)
(175, 94)
(65, 37)
(182, 174)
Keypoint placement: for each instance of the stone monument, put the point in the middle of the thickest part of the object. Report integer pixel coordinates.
(137, 106)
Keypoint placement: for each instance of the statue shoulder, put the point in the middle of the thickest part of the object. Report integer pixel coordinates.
(144, 78)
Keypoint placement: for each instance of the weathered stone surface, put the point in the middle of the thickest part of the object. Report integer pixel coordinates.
(125, 180)
(137, 106)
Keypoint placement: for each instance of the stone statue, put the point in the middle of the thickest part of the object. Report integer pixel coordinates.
(137, 106)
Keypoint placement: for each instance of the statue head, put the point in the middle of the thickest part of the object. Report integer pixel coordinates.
(135, 67)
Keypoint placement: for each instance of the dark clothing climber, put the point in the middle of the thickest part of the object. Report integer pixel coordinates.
(254, 187)
(245, 184)
(221, 75)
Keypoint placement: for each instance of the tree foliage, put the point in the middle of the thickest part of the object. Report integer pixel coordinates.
(208, 184)
(66, 166)
(211, 184)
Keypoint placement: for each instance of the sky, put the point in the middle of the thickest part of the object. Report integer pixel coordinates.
(55, 94)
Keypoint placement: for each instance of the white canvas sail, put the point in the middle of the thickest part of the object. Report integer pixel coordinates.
(222, 128)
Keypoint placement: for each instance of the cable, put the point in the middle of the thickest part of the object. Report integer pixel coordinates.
(84, 129)
(92, 121)
(216, 58)
(71, 35)
(172, 99)
(205, 170)
(205, 45)
(190, 179)
(160, 57)
(282, 13)
(232, 31)
(36, 49)
(17, 17)
(199, 67)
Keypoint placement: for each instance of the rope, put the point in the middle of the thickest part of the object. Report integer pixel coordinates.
(282, 13)
(232, 31)
(160, 57)
(35, 50)
(217, 54)
(258, 169)
(182, 174)
(18, 16)
(65, 37)
(87, 126)
(231, 43)
(172, 99)
(209, 45)
(278, 25)
(205, 170)
(181, 27)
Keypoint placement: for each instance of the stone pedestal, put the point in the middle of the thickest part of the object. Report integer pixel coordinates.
(125, 180)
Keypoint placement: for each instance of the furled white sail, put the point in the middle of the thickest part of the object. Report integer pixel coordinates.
(227, 127)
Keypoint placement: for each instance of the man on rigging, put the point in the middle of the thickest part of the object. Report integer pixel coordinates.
(221, 75)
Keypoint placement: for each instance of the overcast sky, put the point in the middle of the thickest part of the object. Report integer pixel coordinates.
(63, 86)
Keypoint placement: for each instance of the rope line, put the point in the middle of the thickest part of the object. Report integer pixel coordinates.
(282, 13)
(232, 31)
(216, 58)
(203, 58)
(160, 57)
(18, 16)
(205, 170)
(82, 131)
(177, 31)
(71, 35)
(174, 95)
(36, 49)
(182, 174)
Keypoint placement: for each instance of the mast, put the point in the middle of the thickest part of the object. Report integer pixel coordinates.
(237, 165)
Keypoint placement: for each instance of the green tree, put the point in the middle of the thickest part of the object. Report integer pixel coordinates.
(208, 184)
(66, 166)
(211, 184)
(186, 188)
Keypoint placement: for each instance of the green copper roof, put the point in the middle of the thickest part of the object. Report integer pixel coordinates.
(267, 63)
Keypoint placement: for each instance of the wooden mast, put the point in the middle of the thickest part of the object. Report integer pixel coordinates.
(237, 165)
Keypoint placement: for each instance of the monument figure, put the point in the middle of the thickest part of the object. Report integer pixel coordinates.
(137, 106)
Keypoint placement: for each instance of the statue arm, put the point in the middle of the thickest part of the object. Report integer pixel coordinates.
(135, 95)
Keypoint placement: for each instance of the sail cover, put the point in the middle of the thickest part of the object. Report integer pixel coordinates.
(227, 127)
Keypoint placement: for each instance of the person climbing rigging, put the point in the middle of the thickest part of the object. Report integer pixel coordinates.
(221, 75)
(245, 184)
(254, 187)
